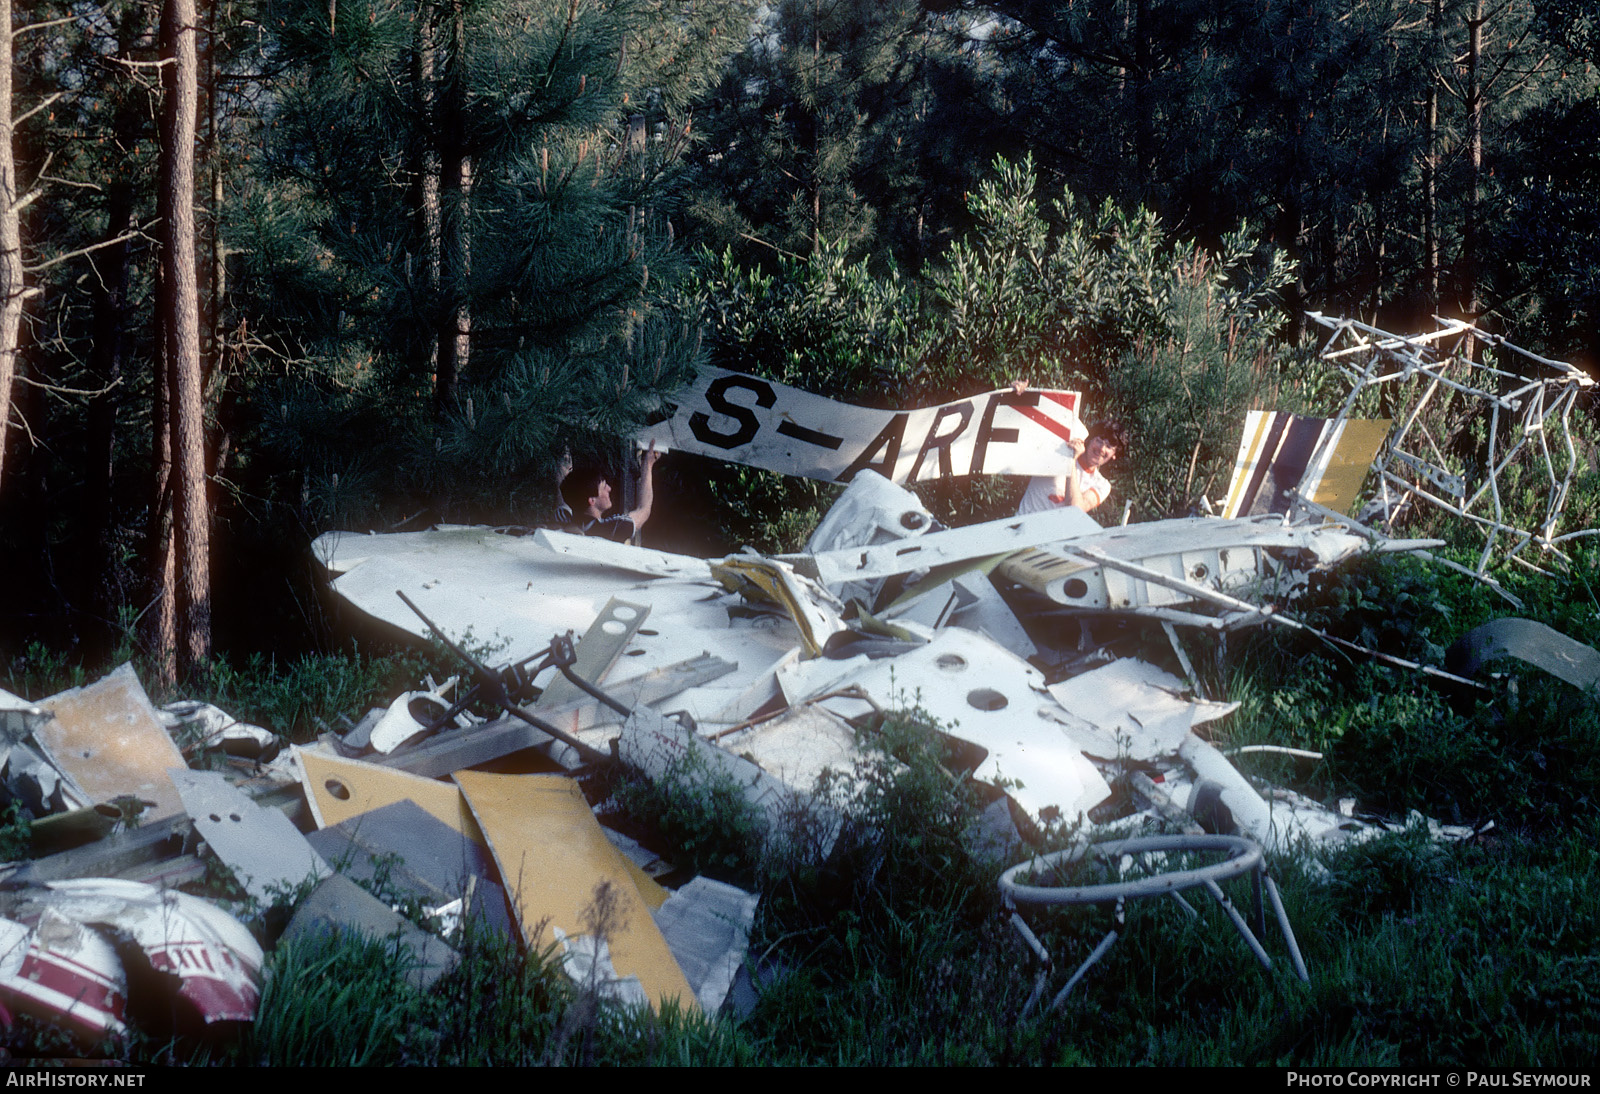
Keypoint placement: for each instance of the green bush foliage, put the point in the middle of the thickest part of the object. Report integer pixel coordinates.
(1175, 339)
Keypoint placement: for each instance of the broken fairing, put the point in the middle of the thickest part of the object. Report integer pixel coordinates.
(871, 510)
(411, 717)
(59, 955)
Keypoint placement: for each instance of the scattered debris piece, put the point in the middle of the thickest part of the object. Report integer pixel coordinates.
(340, 789)
(871, 510)
(59, 954)
(953, 547)
(1285, 457)
(1147, 860)
(707, 923)
(338, 904)
(598, 651)
(1230, 564)
(211, 727)
(1136, 708)
(108, 740)
(418, 856)
(990, 697)
(409, 718)
(665, 749)
(1540, 646)
(264, 849)
(564, 874)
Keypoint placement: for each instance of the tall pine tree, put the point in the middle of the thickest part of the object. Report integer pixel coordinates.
(460, 247)
(840, 122)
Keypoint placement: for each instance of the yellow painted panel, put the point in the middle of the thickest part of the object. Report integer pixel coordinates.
(1352, 457)
(106, 737)
(654, 895)
(552, 856)
(339, 789)
(1255, 430)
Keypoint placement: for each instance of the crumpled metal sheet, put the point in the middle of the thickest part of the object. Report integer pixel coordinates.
(1235, 557)
(990, 697)
(871, 510)
(1140, 711)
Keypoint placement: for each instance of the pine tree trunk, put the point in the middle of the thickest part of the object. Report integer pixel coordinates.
(429, 208)
(181, 335)
(107, 358)
(12, 292)
(1430, 170)
(455, 329)
(159, 624)
(1475, 113)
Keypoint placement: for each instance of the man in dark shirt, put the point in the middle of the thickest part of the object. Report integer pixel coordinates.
(588, 491)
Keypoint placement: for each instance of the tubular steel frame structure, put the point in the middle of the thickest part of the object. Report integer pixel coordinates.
(1439, 390)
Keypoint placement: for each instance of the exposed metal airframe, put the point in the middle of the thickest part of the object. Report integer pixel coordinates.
(1439, 392)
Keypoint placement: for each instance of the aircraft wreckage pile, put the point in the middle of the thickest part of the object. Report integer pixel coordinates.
(759, 669)
(765, 671)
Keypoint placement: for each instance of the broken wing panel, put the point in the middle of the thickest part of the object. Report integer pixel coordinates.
(338, 789)
(554, 859)
(984, 694)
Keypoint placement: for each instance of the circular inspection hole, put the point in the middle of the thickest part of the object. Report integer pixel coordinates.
(951, 662)
(235, 818)
(1075, 588)
(614, 626)
(986, 699)
(215, 819)
(1200, 571)
(337, 789)
(912, 519)
(623, 612)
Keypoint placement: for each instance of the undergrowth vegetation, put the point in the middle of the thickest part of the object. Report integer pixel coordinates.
(298, 698)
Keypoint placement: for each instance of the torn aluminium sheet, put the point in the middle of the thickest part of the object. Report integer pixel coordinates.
(952, 547)
(664, 749)
(108, 740)
(989, 697)
(762, 423)
(264, 849)
(564, 875)
(1139, 711)
(513, 593)
(871, 510)
(707, 923)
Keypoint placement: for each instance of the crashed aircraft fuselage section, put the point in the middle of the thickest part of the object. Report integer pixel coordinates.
(886, 610)
(1173, 562)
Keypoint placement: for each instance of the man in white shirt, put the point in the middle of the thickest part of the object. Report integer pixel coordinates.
(1081, 485)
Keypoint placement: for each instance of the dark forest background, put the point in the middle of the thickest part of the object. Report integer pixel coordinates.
(269, 268)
